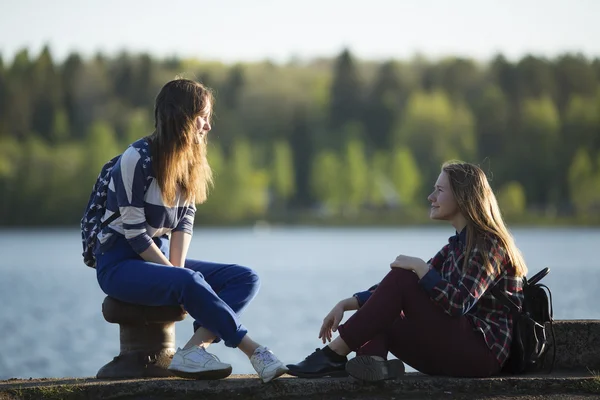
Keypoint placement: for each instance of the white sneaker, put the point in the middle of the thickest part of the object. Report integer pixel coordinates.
(266, 365)
(197, 363)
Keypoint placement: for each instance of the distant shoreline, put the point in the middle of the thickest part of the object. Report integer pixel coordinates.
(357, 222)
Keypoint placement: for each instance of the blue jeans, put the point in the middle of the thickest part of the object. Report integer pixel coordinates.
(212, 294)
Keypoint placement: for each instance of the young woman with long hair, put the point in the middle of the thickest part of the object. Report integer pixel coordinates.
(437, 316)
(141, 256)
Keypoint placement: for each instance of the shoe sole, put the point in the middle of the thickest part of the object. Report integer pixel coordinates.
(278, 373)
(369, 369)
(203, 375)
(334, 374)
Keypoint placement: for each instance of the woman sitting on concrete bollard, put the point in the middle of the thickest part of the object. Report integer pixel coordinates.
(436, 316)
(141, 255)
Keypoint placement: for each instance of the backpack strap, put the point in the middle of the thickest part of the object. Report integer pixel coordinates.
(515, 310)
(506, 300)
(551, 327)
(110, 219)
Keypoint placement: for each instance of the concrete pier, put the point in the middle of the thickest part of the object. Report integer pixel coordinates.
(576, 375)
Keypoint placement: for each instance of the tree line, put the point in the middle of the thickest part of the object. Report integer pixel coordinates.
(326, 139)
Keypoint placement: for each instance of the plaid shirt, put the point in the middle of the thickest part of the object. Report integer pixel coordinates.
(462, 290)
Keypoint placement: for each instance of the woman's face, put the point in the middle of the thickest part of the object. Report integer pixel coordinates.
(202, 125)
(443, 204)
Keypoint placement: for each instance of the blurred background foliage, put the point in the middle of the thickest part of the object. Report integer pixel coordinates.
(337, 140)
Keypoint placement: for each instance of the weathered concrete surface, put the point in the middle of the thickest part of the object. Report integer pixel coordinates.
(576, 376)
(577, 344)
(411, 386)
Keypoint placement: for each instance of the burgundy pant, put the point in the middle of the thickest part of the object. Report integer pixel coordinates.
(401, 318)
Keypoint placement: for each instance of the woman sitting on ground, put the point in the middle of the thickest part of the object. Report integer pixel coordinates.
(436, 316)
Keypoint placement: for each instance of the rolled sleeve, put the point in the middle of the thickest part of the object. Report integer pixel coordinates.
(363, 296)
(430, 280)
(186, 224)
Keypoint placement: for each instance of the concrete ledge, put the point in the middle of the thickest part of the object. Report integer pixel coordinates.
(576, 376)
(411, 386)
(577, 345)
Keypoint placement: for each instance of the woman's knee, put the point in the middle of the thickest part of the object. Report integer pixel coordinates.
(185, 278)
(249, 277)
(402, 276)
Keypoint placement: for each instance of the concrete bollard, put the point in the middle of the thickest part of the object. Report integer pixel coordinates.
(577, 345)
(147, 336)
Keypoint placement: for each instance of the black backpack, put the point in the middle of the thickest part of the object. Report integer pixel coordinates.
(530, 345)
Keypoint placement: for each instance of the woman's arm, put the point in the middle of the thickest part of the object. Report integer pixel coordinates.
(457, 299)
(362, 297)
(181, 237)
(349, 304)
(130, 180)
(153, 254)
(438, 260)
(335, 316)
(180, 243)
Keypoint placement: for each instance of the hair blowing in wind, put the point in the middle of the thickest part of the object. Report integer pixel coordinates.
(178, 150)
(478, 204)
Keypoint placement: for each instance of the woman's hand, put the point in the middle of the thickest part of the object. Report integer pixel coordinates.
(335, 316)
(331, 322)
(415, 264)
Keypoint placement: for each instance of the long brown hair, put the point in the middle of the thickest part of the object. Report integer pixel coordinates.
(478, 204)
(178, 152)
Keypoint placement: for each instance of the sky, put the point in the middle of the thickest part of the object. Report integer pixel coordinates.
(253, 30)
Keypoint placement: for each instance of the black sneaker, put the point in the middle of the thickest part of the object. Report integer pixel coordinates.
(374, 368)
(318, 365)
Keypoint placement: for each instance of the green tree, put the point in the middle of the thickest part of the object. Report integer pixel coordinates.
(504, 74)
(11, 165)
(492, 121)
(143, 86)
(460, 79)
(534, 150)
(46, 94)
(250, 185)
(584, 182)
(380, 191)
(405, 176)
(233, 87)
(580, 129)
(100, 146)
(511, 199)
(574, 75)
(32, 184)
(220, 205)
(535, 78)
(19, 93)
(64, 203)
(346, 92)
(70, 76)
(355, 175)
(282, 171)
(327, 187)
(436, 131)
(60, 126)
(302, 148)
(138, 125)
(384, 105)
(3, 99)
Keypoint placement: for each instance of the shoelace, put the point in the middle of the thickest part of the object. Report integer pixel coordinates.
(203, 353)
(314, 354)
(266, 357)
